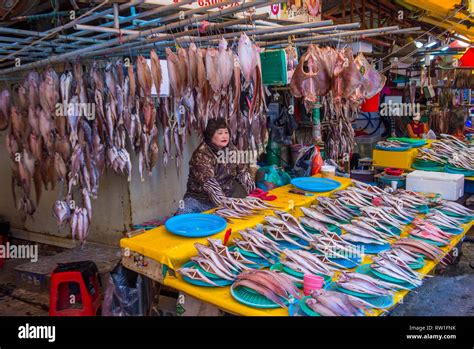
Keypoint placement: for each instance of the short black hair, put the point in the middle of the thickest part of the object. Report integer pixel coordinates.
(212, 126)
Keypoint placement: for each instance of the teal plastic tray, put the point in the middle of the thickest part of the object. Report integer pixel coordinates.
(252, 299)
(306, 309)
(367, 270)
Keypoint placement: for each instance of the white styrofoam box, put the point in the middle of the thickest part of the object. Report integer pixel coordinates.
(450, 186)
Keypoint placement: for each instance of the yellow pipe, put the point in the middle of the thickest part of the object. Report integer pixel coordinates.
(438, 10)
(450, 25)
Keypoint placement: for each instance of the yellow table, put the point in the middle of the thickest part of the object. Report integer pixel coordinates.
(172, 250)
(221, 297)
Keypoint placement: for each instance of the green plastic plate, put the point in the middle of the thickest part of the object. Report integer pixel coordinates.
(353, 293)
(367, 270)
(296, 274)
(252, 299)
(420, 263)
(306, 309)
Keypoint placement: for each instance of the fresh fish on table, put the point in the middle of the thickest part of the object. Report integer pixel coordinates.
(395, 267)
(274, 286)
(195, 274)
(352, 282)
(331, 303)
(290, 227)
(224, 252)
(220, 262)
(456, 208)
(318, 216)
(314, 224)
(421, 247)
(307, 262)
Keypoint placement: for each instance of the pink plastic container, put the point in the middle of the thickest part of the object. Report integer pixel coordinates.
(312, 282)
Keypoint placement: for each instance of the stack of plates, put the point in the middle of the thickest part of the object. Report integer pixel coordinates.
(415, 143)
(425, 165)
(458, 170)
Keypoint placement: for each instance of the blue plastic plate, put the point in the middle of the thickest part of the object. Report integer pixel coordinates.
(313, 184)
(347, 264)
(372, 248)
(195, 224)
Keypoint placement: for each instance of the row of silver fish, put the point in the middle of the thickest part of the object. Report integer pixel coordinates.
(333, 303)
(241, 208)
(218, 260)
(395, 267)
(255, 242)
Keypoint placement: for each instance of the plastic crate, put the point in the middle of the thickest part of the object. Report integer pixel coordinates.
(274, 67)
(398, 159)
(469, 185)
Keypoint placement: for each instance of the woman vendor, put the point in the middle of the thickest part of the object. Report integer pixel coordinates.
(416, 128)
(210, 179)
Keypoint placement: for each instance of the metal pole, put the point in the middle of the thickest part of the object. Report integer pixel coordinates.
(92, 50)
(187, 22)
(316, 38)
(169, 38)
(153, 12)
(116, 16)
(105, 29)
(215, 38)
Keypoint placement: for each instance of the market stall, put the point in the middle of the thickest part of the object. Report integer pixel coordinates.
(265, 157)
(170, 252)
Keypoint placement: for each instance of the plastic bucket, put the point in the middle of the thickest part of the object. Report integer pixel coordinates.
(328, 171)
(371, 104)
(311, 283)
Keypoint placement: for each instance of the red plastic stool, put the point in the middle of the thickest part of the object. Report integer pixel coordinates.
(68, 289)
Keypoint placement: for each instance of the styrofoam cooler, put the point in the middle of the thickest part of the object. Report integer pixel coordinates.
(449, 185)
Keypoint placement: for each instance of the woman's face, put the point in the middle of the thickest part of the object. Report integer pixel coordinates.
(221, 137)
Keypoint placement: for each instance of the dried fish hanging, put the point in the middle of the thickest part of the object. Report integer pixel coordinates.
(344, 83)
(83, 121)
(218, 82)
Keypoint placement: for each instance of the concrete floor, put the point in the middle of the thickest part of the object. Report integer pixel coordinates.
(450, 293)
(15, 301)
